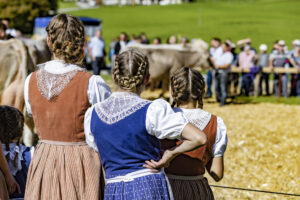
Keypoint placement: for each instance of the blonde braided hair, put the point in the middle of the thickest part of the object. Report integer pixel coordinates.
(131, 69)
(66, 38)
(187, 84)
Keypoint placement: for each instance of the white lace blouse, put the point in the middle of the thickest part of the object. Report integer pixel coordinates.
(161, 121)
(97, 90)
(200, 119)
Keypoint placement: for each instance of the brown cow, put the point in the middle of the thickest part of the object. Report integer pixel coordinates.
(16, 62)
(165, 59)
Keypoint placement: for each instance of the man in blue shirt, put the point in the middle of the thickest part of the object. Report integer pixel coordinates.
(97, 52)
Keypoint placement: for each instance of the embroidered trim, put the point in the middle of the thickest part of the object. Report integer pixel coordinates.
(198, 118)
(119, 106)
(51, 85)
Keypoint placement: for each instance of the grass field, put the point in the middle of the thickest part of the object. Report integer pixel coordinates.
(263, 20)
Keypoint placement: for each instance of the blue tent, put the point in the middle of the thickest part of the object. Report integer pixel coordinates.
(90, 24)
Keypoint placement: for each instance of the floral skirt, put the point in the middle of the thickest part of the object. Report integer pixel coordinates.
(59, 172)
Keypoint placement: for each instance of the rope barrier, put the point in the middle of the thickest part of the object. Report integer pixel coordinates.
(253, 190)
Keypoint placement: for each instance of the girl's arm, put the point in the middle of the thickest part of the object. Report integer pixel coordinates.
(12, 185)
(193, 138)
(215, 168)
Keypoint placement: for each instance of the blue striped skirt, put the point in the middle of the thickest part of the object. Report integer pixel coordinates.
(149, 187)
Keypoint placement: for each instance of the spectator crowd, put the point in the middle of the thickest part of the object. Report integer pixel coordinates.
(224, 56)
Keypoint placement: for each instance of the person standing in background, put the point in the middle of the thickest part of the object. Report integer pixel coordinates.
(10, 32)
(97, 52)
(246, 61)
(222, 67)
(157, 40)
(121, 44)
(263, 61)
(295, 61)
(215, 51)
(2, 31)
(279, 58)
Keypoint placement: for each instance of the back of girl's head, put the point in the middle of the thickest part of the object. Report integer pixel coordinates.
(131, 70)
(187, 84)
(66, 38)
(11, 124)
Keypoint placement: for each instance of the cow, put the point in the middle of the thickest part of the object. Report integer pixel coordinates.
(17, 61)
(164, 59)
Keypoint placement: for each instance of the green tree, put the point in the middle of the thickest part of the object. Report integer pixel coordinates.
(22, 12)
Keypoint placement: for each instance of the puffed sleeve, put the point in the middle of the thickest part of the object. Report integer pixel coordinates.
(162, 122)
(89, 137)
(26, 96)
(98, 90)
(220, 145)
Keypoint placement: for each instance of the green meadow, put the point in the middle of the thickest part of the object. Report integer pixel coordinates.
(264, 21)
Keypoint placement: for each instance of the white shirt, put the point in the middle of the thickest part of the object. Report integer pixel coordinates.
(200, 119)
(161, 121)
(97, 45)
(225, 59)
(97, 90)
(216, 52)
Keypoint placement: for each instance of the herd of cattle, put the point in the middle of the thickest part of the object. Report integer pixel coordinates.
(18, 58)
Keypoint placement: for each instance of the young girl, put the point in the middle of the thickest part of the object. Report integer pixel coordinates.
(58, 95)
(17, 156)
(186, 171)
(126, 130)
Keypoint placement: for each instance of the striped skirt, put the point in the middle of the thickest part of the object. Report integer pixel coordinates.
(3, 187)
(60, 171)
(149, 187)
(190, 187)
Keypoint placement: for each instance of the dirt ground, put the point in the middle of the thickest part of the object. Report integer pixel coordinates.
(263, 150)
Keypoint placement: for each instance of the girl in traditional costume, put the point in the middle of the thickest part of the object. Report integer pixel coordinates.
(58, 95)
(126, 130)
(14, 157)
(186, 171)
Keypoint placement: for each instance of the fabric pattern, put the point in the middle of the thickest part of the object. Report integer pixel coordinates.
(64, 172)
(191, 189)
(51, 85)
(197, 117)
(14, 150)
(151, 187)
(118, 106)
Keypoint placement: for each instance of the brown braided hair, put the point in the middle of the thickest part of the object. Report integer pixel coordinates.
(131, 69)
(66, 38)
(187, 84)
(11, 127)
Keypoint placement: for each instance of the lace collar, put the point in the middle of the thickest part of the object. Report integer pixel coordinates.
(118, 106)
(54, 76)
(198, 117)
(59, 67)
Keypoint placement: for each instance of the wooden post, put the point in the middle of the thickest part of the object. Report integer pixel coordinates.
(133, 2)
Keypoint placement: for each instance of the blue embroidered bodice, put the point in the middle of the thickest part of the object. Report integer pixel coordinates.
(123, 143)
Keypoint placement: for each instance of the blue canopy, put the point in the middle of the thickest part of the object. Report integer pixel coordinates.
(42, 22)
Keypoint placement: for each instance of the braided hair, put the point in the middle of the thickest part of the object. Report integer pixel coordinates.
(66, 38)
(131, 69)
(11, 126)
(187, 84)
